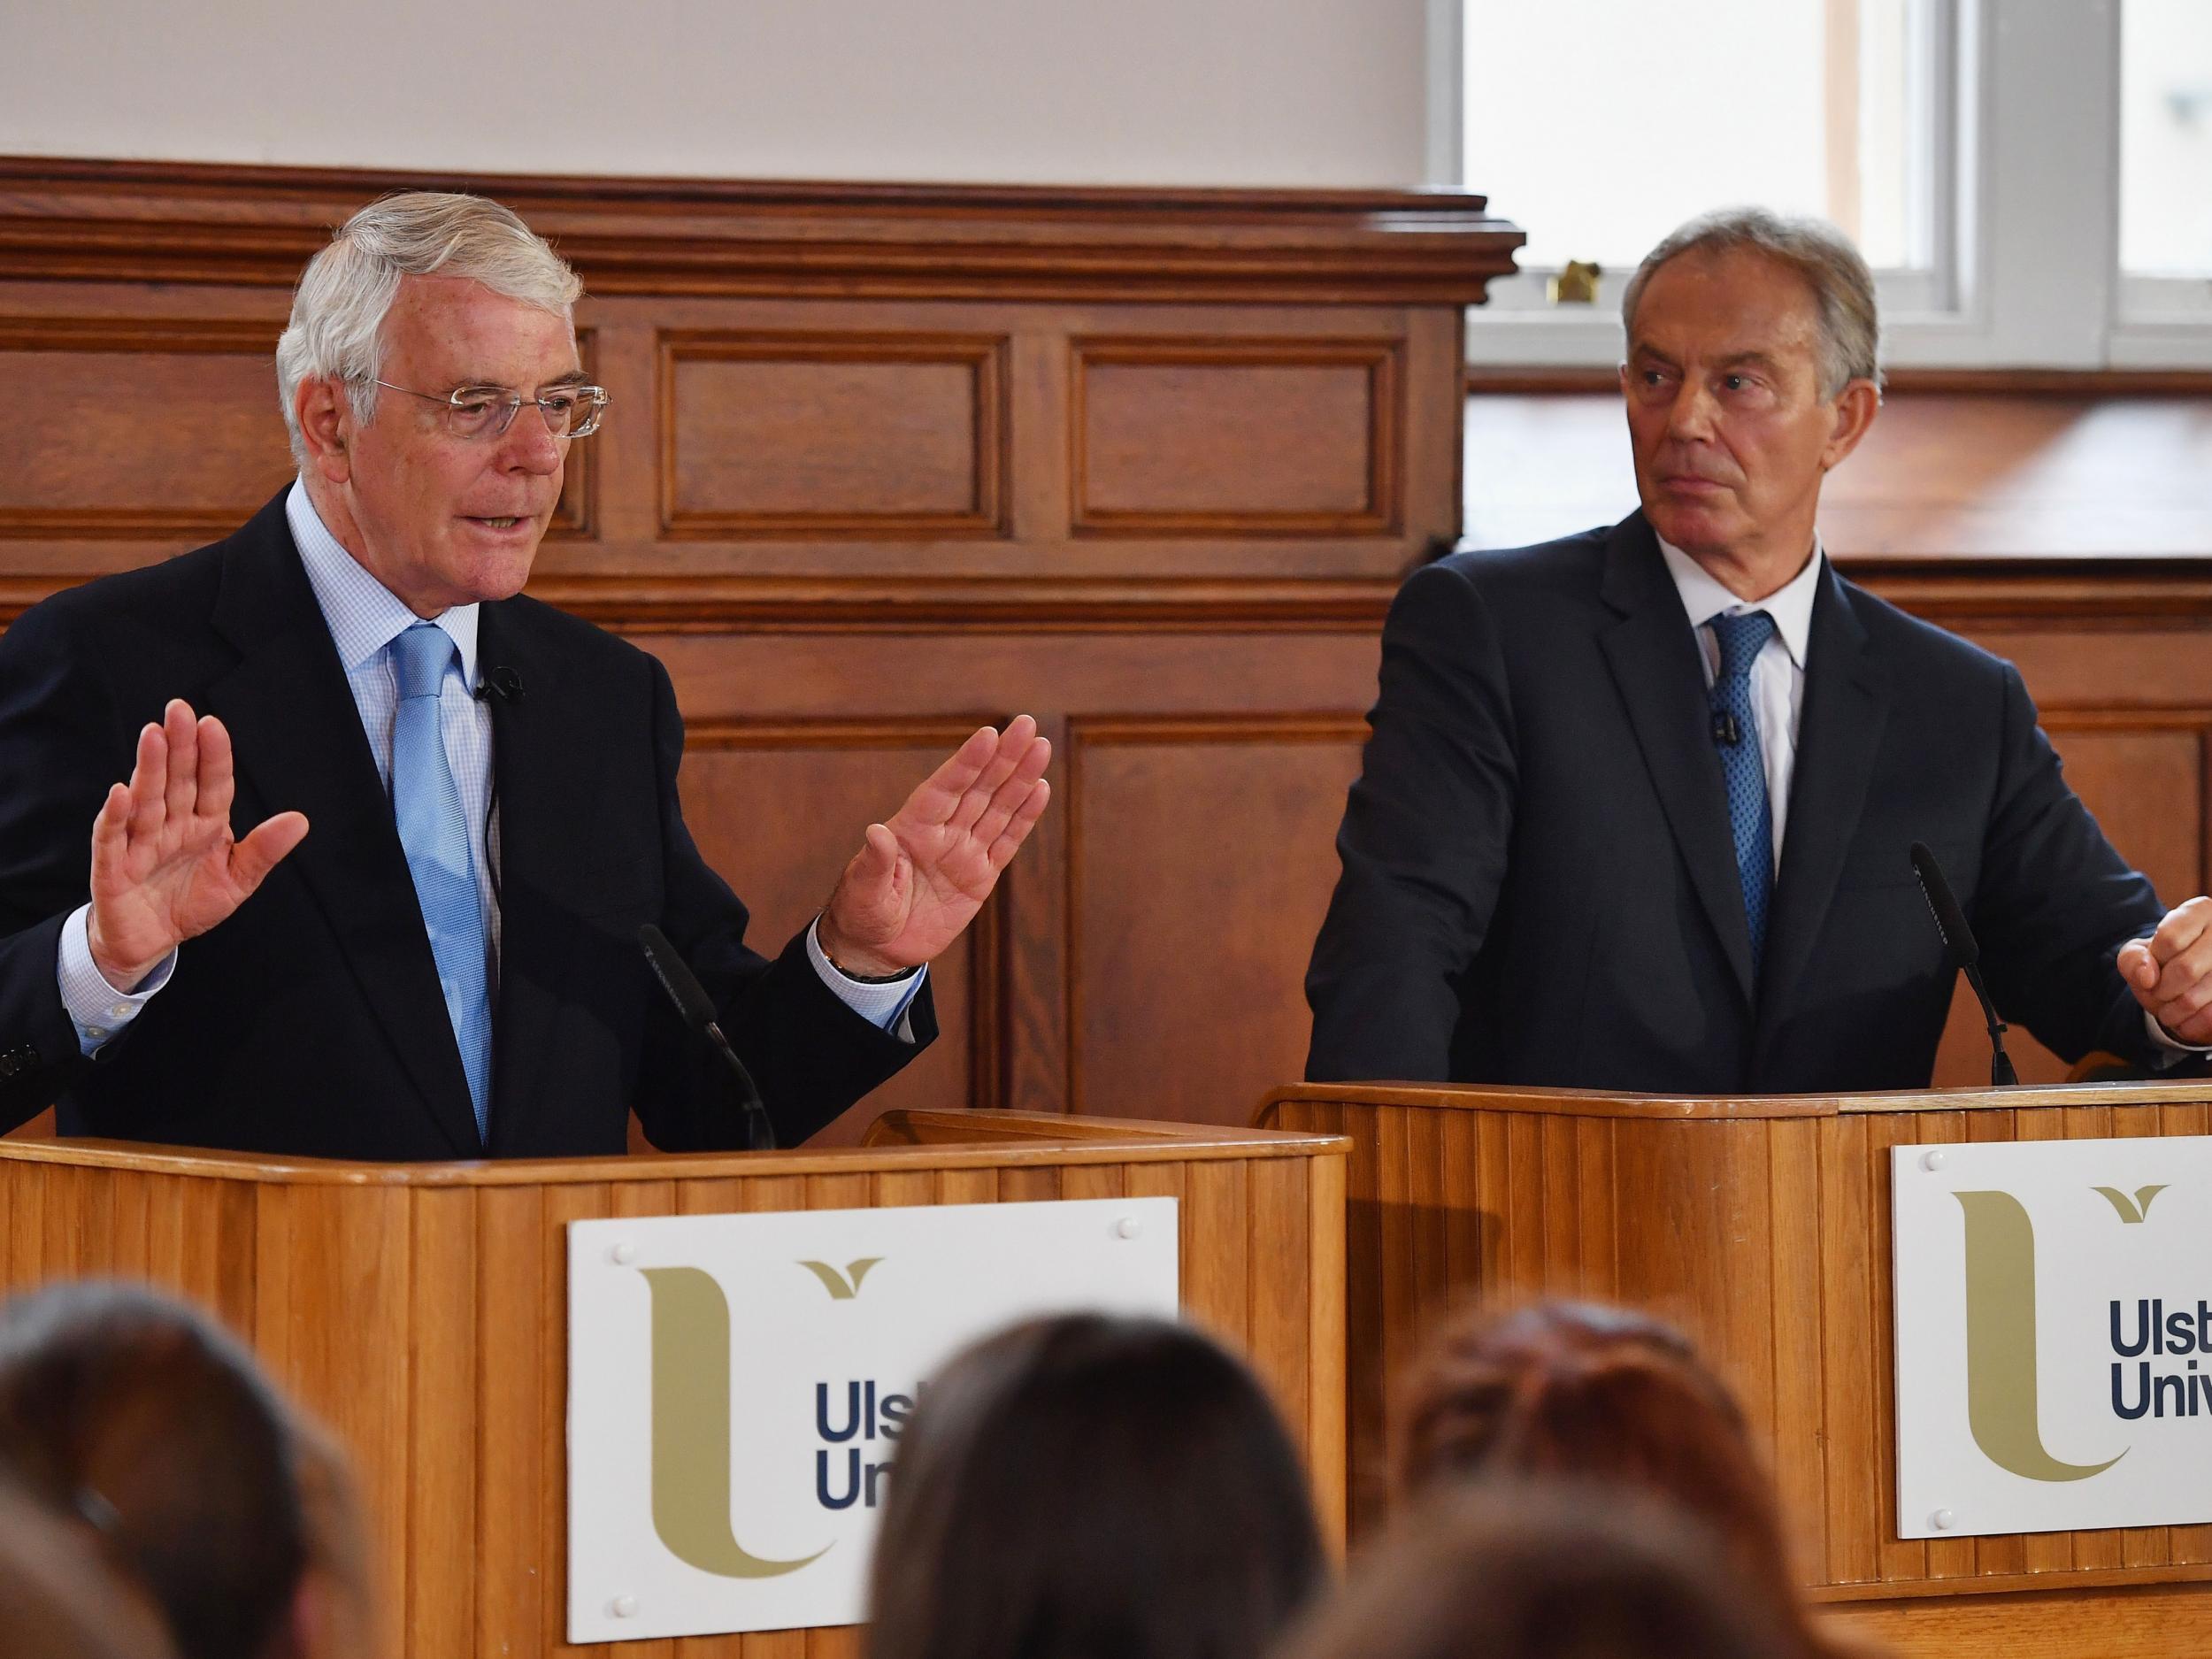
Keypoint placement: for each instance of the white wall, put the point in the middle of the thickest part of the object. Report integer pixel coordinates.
(1292, 92)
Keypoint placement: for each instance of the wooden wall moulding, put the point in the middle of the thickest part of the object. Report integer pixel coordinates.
(837, 406)
(844, 436)
(255, 226)
(1235, 437)
(778, 805)
(136, 426)
(575, 515)
(1199, 857)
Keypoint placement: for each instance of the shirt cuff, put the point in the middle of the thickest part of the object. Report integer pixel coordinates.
(882, 1005)
(98, 1011)
(2170, 1048)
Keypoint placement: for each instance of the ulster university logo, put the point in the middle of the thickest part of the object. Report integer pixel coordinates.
(692, 1406)
(691, 1427)
(2002, 1372)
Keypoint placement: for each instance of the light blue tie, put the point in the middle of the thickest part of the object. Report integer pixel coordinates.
(1743, 767)
(434, 834)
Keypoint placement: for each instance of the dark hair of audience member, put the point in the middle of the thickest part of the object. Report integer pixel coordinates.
(1092, 1487)
(139, 1414)
(1578, 1391)
(1554, 1572)
(61, 1597)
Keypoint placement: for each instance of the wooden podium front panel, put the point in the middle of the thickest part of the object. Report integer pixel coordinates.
(422, 1312)
(1762, 1229)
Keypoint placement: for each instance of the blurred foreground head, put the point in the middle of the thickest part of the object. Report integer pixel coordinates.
(62, 1598)
(1088, 1487)
(1574, 1391)
(1549, 1573)
(140, 1415)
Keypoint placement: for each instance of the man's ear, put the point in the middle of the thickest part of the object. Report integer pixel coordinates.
(326, 425)
(1857, 405)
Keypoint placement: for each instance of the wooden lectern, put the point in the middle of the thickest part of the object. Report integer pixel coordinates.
(420, 1310)
(1760, 1225)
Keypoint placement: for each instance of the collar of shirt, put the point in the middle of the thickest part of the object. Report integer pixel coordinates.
(363, 615)
(1791, 606)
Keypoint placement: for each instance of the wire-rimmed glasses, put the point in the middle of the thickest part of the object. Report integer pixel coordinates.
(487, 411)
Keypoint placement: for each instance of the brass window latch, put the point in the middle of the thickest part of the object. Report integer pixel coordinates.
(1577, 284)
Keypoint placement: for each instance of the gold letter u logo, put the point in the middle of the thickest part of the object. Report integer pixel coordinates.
(691, 1427)
(2001, 1368)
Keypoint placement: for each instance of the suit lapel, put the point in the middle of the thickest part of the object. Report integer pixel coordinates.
(299, 743)
(547, 818)
(1839, 733)
(1653, 654)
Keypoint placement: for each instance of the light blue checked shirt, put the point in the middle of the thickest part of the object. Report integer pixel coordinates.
(364, 617)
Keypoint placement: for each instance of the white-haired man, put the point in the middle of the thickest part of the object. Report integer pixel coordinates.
(455, 807)
(1638, 807)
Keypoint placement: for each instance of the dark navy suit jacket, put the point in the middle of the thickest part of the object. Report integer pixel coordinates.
(1540, 886)
(310, 1021)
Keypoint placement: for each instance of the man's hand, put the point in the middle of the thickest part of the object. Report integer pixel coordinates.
(164, 867)
(923, 874)
(2171, 972)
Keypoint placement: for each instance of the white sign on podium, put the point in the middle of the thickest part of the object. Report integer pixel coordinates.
(2054, 1306)
(737, 1385)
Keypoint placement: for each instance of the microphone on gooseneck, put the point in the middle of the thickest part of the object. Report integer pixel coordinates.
(1963, 955)
(697, 1009)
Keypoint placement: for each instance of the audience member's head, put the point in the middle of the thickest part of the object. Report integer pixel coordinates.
(61, 1597)
(1088, 1487)
(1573, 1391)
(140, 1415)
(1550, 1572)
(334, 1618)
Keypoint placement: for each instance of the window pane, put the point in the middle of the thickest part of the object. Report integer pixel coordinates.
(2166, 138)
(1601, 126)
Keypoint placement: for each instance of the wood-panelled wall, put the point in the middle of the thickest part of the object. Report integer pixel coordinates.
(884, 461)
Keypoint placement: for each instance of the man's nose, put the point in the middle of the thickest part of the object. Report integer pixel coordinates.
(1690, 416)
(528, 444)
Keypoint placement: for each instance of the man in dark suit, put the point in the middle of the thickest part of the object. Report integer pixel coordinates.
(447, 965)
(1637, 808)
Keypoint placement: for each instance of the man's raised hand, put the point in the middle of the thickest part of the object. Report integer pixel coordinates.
(165, 866)
(922, 874)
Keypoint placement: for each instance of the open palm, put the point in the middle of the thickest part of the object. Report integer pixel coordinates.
(922, 874)
(166, 867)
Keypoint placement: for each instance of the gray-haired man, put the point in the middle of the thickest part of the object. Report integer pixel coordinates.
(456, 807)
(1638, 806)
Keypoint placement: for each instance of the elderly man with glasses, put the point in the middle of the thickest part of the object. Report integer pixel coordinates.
(455, 808)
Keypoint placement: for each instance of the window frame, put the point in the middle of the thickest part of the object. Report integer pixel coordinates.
(2027, 130)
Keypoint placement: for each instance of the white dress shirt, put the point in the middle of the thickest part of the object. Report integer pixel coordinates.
(1778, 674)
(364, 617)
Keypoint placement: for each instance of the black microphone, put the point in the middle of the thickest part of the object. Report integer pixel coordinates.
(503, 683)
(1963, 955)
(692, 1002)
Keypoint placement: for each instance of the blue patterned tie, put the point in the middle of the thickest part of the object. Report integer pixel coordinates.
(434, 834)
(1743, 767)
